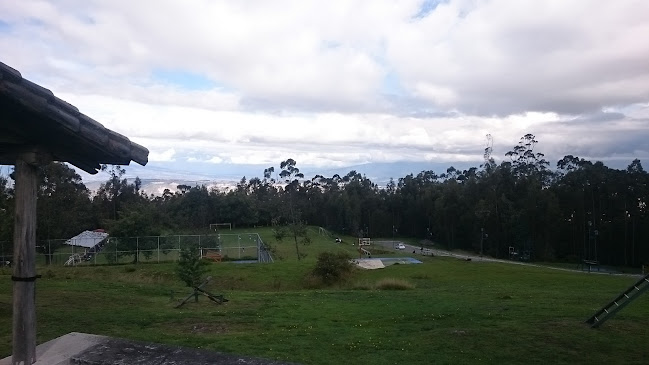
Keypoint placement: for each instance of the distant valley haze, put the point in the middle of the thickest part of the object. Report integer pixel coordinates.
(157, 177)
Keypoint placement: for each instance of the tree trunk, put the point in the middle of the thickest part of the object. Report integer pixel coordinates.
(297, 247)
(626, 256)
(24, 265)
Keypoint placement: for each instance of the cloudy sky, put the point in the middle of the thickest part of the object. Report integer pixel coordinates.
(340, 83)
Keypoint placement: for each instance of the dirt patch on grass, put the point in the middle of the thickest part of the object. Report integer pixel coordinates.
(393, 284)
(207, 328)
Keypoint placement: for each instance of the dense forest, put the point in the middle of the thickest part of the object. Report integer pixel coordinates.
(578, 210)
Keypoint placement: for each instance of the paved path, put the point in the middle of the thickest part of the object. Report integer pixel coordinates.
(478, 258)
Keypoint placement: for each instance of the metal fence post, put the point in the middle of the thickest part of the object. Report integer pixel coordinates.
(137, 249)
(158, 249)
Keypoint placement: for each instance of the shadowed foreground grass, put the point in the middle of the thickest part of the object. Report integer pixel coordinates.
(457, 312)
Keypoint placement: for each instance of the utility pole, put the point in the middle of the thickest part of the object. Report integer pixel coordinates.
(481, 239)
(482, 214)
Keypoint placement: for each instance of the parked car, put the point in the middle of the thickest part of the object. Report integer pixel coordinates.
(401, 246)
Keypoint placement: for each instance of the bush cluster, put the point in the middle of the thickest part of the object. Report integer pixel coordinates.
(332, 267)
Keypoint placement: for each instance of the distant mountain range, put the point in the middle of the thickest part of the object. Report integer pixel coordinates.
(158, 176)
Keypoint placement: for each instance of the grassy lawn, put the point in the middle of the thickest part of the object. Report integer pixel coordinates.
(458, 312)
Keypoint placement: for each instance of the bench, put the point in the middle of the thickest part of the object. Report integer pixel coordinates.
(591, 263)
(213, 255)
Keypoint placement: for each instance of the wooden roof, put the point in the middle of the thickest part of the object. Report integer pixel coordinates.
(33, 119)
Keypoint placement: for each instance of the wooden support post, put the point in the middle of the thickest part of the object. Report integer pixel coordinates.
(24, 265)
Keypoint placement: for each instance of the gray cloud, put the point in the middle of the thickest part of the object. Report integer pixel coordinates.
(346, 82)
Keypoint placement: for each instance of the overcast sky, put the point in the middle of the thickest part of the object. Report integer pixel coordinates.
(338, 83)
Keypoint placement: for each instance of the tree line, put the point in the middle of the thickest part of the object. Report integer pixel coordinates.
(578, 210)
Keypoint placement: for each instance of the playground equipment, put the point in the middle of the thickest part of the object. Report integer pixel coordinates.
(211, 255)
(218, 299)
(73, 260)
(362, 251)
(621, 301)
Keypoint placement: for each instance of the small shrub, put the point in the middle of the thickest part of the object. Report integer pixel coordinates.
(277, 283)
(190, 268)
(49, 274)
(393, 284)
(332, 267)
(129, 269)
(312, 282)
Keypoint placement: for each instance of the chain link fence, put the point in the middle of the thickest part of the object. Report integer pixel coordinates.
(123, 250)
(5, 253)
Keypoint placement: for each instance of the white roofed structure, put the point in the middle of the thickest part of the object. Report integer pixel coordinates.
(87, 239)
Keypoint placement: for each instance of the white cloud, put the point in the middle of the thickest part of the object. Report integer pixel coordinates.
(164, 156)
(508, 57)
(311, 80)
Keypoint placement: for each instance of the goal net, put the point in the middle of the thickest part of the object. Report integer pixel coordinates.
(218, 226)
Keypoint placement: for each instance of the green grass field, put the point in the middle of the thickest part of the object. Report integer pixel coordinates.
(458, 312)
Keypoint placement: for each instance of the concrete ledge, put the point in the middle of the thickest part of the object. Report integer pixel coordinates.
(87, 349)
(60, 350)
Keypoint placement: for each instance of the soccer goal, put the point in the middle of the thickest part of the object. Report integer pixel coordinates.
(323, 232)
(218, 226)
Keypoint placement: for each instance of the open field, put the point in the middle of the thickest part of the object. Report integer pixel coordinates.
(458, 312)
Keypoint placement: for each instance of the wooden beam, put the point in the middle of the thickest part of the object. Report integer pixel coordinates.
(33, 155)
(24, 263)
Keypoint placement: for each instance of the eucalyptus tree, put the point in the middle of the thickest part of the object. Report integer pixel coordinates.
(526, 163)
(295, 226)
(64, 206)
(109, 197)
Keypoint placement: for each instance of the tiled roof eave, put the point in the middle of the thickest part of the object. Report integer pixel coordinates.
(31, 116)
